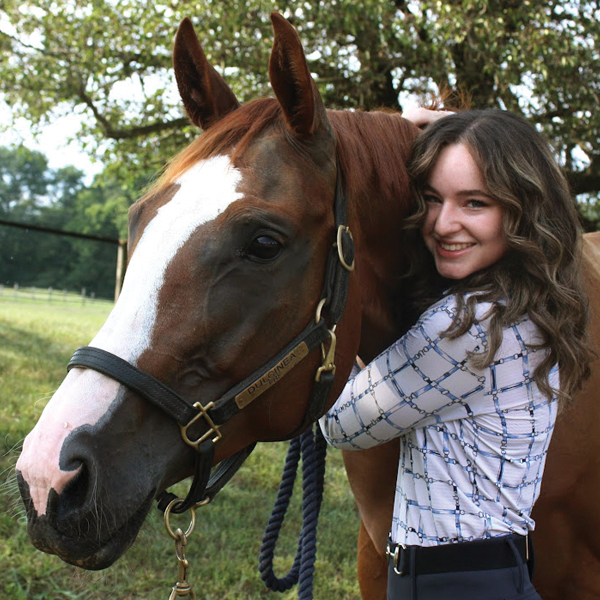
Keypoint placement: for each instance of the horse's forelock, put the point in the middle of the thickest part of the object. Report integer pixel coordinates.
(232, 134)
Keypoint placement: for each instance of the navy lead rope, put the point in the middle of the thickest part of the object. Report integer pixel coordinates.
(312, 448)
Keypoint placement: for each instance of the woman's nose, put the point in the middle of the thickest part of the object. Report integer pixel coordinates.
(447, 220)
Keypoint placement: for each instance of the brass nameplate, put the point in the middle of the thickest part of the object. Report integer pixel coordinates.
(262, 384)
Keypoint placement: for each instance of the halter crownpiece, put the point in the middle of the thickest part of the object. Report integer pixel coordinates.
(339, 265)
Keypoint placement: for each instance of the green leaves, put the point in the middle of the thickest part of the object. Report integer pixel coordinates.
(112, 61)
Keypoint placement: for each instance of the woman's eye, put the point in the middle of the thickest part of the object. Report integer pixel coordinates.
(477, 203)
(264, 247)
(432, 199)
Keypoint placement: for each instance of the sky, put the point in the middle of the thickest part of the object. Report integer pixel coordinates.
(54, 141)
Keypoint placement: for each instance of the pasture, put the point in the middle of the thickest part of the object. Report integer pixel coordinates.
(36, 342)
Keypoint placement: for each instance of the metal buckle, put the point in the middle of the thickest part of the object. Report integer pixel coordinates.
(212, 428)
(395, 556)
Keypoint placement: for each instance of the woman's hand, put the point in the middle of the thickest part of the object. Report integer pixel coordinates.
(421, 117)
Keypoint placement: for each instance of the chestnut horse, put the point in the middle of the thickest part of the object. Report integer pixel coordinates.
(227, 256)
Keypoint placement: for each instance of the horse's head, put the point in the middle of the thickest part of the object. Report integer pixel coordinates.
(227, 255)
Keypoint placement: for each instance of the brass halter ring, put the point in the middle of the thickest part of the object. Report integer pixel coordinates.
(191, 526)
(339, 243)
(319, 309)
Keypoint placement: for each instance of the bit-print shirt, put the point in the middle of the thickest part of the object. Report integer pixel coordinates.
(473, 442)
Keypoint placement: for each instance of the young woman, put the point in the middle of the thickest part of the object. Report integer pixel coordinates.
(473, 388)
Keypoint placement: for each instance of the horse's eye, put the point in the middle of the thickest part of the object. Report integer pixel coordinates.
(264, 247)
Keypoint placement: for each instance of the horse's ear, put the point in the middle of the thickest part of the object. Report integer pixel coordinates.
(291, 81)
(206, 97)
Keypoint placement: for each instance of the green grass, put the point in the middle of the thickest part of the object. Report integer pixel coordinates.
(36, 341)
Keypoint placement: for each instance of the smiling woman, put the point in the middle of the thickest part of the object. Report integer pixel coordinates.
(471, 390)
(228, 296)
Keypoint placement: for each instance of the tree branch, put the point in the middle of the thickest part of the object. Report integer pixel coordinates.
(131, 132)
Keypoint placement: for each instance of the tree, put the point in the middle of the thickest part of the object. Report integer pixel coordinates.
(111, 61)
(32, 193)
(23, 181)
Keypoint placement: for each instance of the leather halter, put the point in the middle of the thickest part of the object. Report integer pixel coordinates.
(205, 485)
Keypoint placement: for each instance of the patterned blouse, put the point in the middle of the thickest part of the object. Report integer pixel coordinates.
(473, 442)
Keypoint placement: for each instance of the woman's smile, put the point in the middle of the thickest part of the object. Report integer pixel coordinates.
(453, 247)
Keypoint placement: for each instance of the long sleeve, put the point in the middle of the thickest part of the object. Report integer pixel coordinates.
(422, 378)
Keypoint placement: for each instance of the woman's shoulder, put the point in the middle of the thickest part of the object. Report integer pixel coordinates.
(443, 314)
(446, 308)
(436, 325)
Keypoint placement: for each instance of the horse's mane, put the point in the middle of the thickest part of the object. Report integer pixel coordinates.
(372, 147)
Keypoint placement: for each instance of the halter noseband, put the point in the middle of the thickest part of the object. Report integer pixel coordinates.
(205, 485)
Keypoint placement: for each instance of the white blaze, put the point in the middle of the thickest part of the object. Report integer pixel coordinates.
(205, 191)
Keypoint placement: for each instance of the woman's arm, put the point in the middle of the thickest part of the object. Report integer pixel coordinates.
(420, 377)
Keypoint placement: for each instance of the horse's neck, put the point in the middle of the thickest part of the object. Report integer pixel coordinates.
(379, 194)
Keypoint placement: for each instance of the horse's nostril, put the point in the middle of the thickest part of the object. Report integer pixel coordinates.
(76, 493)
(25, 495)
(70, 499)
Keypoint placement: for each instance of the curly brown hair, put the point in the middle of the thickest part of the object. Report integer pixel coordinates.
(540, 275)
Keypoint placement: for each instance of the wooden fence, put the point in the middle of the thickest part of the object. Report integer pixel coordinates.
(121, 246)
(49, 295)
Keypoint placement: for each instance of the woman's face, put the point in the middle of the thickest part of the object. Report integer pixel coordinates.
(463, 226)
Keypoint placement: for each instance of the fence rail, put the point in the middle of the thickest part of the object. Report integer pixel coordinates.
(121, 246)
(49, 295)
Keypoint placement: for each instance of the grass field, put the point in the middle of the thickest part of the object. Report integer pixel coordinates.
(36, 341)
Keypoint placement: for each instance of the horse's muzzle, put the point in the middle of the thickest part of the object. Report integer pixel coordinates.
(74, 532)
